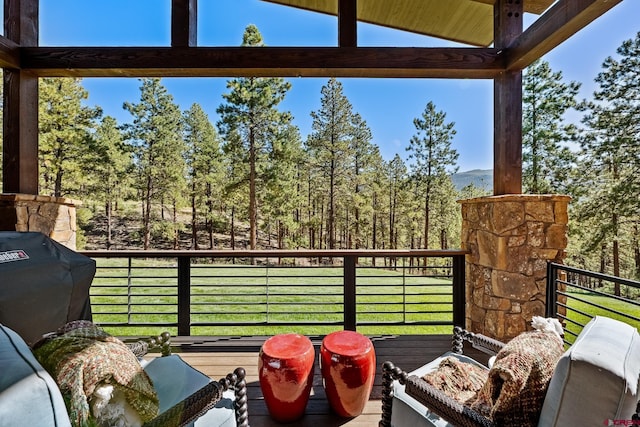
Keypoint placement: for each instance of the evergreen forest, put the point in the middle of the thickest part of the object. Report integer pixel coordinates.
(172, 179)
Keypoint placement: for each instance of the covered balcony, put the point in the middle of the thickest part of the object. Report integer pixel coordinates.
(406, 301)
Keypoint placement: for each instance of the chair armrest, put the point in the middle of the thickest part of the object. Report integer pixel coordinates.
(141, 347)
(202, 400)
(480, 342)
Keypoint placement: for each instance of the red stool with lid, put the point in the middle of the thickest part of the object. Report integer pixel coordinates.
(285, 371)
(348, 367)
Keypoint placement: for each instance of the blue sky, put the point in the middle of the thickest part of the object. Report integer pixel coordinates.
(388, 105)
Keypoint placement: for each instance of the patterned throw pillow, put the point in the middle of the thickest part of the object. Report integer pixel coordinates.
(82, 358)
(518, 380)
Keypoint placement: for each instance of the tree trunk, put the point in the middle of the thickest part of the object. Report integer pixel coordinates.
(331, 213)
(175, 225)
(209, 220)
(194, 224)
(233, 228)
(108, 209)
(636, 250)
(146, 219)
(253, 208)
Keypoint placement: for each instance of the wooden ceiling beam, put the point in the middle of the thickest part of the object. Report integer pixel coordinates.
(561, 21)
(477, 63)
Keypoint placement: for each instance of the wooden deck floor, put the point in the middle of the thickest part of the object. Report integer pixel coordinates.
(217, 356)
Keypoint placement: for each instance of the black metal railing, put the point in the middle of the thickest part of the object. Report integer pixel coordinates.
(576, 296)
(195, 290)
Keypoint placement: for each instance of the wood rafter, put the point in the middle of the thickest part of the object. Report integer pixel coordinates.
(262, 61)
(560, 22)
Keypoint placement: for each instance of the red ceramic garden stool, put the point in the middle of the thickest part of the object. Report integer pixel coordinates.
(285, 370)
(348, 367)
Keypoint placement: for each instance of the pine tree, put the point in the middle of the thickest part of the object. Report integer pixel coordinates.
(433, 158)
(206, 170)
(250, 119)
(330, 149)
(65, 125)
(156, 136)
(366, 159)
(611, 152)
(396, 181)
(281, 197)
(109, 172)
(546, 99)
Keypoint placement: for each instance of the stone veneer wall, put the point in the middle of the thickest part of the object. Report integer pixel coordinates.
(52, 216)
(510, 238)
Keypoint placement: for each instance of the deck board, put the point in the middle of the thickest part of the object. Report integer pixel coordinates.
(217, 356)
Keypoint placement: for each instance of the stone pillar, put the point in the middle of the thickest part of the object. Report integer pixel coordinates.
(52, 216)
(510, 239)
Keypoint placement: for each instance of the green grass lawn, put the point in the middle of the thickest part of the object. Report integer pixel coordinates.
(579, 303)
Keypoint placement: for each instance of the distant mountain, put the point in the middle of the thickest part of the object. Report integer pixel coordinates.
(481, 178)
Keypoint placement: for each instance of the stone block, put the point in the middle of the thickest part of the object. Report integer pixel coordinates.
(477, 314)
(535, 234)
(494, 324)
(556, 236)
(539, 211)
(493, 303)
(532, 308)
(561, 212)
(507, 216)
(519, 260)
(513, 286)
(492, 250)
(515, 324)
(516, 240)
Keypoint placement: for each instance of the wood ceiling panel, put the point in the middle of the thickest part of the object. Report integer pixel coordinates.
(465, 21)
(530, 6)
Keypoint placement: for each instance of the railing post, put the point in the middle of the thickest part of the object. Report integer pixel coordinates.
(459, 299)
(551, 309)
(184, 296)
(349, 275)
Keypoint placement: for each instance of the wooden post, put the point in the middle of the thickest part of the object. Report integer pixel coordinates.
(184, 296)
(349, 277)
(459, 295)
(347, 23)
(184, 23)
(507, 98)
(20, 124)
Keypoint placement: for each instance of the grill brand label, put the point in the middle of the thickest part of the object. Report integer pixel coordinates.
(10, 256)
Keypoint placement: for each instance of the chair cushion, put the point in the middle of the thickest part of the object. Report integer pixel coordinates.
(28, 394)
(597, 379)
(174, 380)
(407, 411)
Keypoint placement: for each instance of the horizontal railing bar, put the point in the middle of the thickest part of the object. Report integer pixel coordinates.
(276, 253)
(595, 291)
